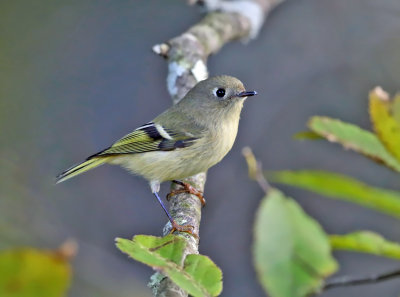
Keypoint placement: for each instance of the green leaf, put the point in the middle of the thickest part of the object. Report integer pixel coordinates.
(27, 272)
(153, 251)
(292, 254)
(366, 242)
(341, 187)
(307, 135)
(199, 276)
(385, 126)
(354, 138)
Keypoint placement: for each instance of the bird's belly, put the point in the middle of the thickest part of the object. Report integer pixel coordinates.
(177, 164)
(160, 166)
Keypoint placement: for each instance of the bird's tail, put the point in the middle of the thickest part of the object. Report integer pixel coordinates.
(80, 168)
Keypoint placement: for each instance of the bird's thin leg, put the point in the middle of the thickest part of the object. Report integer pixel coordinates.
(163, 206)
(175, 225)
(187, 188)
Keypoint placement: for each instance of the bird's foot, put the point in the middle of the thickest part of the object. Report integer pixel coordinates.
(187, 188)
(183, 228)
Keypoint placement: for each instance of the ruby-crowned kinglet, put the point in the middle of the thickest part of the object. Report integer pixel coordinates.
(186, 139)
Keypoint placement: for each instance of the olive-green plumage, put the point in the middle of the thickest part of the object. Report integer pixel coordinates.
(186, 139)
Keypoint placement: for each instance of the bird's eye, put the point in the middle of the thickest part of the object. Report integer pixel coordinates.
(220, 93)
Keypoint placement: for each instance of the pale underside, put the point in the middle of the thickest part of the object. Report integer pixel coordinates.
(160, 166)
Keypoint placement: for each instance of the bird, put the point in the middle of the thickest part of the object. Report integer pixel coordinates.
(187, 138)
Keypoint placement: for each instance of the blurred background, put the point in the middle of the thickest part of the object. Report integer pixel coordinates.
(77, 75)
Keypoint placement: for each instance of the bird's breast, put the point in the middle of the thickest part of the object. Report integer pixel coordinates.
(220, 141)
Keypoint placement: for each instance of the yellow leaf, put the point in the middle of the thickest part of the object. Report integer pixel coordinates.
(386, 127)
(29, 272)
(395, 108)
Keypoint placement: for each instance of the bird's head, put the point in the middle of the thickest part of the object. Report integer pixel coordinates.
(223, 95)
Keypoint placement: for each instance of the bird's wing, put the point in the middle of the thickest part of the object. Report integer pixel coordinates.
(150, 137)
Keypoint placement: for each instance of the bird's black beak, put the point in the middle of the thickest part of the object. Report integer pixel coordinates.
(247, 94)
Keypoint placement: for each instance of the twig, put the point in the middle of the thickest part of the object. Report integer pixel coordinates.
(360, 280)
(255, 169)
(187, 57)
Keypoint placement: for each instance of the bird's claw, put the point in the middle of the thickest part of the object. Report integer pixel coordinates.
(187, 188)
(183, 228)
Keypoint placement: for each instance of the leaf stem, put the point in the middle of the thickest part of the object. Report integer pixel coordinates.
(255, 169)
(360, 280)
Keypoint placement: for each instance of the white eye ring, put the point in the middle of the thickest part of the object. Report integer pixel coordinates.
(221, 91)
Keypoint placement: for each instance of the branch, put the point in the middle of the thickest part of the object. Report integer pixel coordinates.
(187, 56)
(360, 280)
